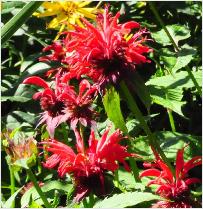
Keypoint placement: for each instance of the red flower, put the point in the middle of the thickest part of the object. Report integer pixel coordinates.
(63, 104)
(51, 102)
(78, 106)
(174, 189)
(103, 52)
(88, 166)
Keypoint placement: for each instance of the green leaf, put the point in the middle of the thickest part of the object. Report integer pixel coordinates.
(168, 98)
(185, 56)
(181, 80)
(178, 32)
(8, 203)
(168, 58)
(48, 188)
(9, 6)
(168, 90)
(170, 143)
(126, 200)
(17, 118)
(111, 101)
(14, 98)
(12, 25)
(127, 180)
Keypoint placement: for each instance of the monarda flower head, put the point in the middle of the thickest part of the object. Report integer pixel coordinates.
(62, 104)
(88, 166)
(107, 51)
(175, 189)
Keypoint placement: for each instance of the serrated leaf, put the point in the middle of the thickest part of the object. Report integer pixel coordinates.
(168, 98)
(48, 188)
(126, 200)
(181, 80)
(111, 101)
(178, 32)
(185, 55)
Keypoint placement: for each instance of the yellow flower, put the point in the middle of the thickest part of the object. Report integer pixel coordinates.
(67, 13)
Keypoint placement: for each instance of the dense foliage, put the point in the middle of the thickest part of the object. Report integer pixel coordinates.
(101, 104)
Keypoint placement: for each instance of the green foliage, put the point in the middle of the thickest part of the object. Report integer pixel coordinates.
(178, 32)
(168, 90)
(170, 143)
(9, 202)
(111, 101)
(127, 199)
(49, 188)
(12, 26)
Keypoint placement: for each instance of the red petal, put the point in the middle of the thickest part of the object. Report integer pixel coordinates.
(179, 163)
(35, 80)
(130, 25)
(84, 84)
(101, 142)
(192, 181)
(167, 172)
(150, 172)
(195, 161)
(79, 141)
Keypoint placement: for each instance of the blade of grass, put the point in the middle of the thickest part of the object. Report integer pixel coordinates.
(16, 22)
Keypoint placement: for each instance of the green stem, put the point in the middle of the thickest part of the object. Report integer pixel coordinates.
(116, 179)
(155, 11)
(37, 187)
(85, 203)
(173, 128)
(135, 110)
(12, 182)
(135, 170)
(91, 200)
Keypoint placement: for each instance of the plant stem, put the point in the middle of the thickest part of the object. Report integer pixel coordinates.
(85, 203)
(135, 110)
(37, 187)
(91, 200)
(172, 123)
(12, 182)
(156, 14)
(116, 179)
(135, 170)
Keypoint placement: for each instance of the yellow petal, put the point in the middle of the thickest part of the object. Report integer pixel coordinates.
(84, 3)
(86, 13)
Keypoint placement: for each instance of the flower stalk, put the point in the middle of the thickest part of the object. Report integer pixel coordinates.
(135, 110)
(156, 14)
(37, 187)
(12, 182)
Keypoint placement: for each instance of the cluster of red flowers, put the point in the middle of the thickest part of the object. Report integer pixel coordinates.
(100, 54)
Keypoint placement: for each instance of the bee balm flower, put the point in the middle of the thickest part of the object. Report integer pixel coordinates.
(174, 189)
(102, 51)
(88, 166)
